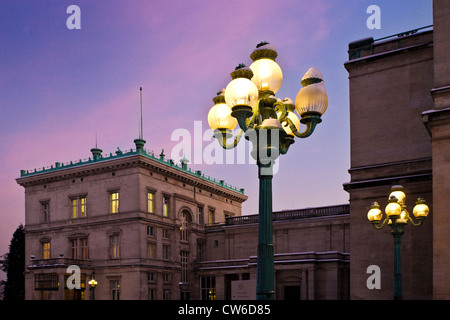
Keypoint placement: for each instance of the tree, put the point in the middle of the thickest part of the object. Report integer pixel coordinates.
(14, 266)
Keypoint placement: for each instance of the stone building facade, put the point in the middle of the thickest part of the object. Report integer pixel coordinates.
(133, 221)
(145, 228)
(390, 84)
(311, 253)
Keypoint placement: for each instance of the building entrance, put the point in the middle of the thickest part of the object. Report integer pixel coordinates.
(291, 292)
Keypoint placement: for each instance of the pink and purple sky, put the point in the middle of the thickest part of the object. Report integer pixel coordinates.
(61, 87)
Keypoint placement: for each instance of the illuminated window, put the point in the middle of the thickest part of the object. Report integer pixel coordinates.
(165, 206)
(114, 246)
(211, 217)
(75, 293)
(46, 252)
(208, 287)
(78, 207)
(150, 202)
(114, 200)
(184, 218)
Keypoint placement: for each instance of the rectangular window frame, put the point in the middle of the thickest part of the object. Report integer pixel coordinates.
(78, 206)
(211, 216)
(151, 231)
(115, 289)
(151, 201)
(45, 210)
(165, 205)
(201, 215)
(184, 262)
(208, 287)
(151, 250)
(114, 246)
(166, 252)
(46, 249)
(46, 281)
(114, 202)
(79, 249)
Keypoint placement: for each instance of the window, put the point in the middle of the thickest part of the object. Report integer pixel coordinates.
(46, 281)
(166, 294)
(151, 250)
(166, 234)
(151, 231)
(150, 202)
(75, 293)
(200, 216)
(114, 202)
(166, 252)
(46, 252)
(114, 246)
(151, 294)
(165, 206)
(115, 289)
(184, 219)
(78, 207)
(150, 276)
(166, 278)
(208, 287)
(200, 249)
(184, 258)
(79, 249)
(45, 206)
(211, 217)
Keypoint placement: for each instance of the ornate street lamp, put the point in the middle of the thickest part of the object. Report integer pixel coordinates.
(397, 217)
(92, 284)
(271, 125)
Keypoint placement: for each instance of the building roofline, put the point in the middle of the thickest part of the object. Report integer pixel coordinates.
(283, 215)
(363, 49)
(64, 168)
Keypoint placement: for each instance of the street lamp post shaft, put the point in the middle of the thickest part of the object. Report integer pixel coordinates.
(398, 291)
(265, 266)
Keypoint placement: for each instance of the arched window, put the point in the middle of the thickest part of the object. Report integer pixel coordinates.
(185, 218)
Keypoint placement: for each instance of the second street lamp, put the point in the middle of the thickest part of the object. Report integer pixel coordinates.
(271, 125)
(92, 284)
(397, 217)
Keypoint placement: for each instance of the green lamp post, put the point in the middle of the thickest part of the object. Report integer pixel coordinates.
(92, 284)
(397, 217)
(271, 125)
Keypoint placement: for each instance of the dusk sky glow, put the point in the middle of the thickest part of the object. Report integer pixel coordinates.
(61, 87)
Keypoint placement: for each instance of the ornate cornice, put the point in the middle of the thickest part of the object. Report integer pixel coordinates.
(130, 161)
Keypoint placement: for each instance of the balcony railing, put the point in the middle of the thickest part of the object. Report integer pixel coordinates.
(286, 215)
(57, 262)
